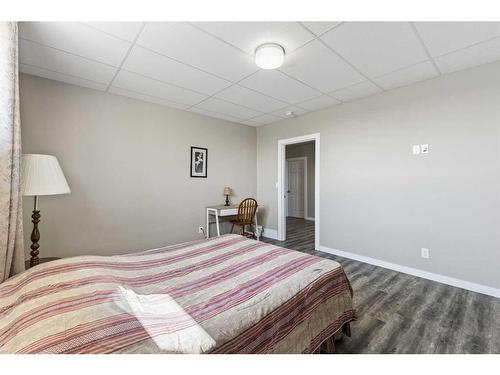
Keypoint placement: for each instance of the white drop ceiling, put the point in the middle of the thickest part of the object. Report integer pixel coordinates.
(208, 67)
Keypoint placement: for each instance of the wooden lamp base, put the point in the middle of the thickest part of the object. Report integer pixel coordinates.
(35, 235)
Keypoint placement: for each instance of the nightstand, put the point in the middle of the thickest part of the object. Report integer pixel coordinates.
(42, 260)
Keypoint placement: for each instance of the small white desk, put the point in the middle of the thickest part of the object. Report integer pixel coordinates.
(220, 211)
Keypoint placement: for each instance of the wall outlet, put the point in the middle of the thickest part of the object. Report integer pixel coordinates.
(425, 253)
(201, 230)
(424, 149)
(416, 149)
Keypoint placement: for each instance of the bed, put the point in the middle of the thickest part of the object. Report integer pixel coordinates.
(226, 294)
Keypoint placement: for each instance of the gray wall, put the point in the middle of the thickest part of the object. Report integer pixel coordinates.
(379, 200)
(127, 164)
(301, 150)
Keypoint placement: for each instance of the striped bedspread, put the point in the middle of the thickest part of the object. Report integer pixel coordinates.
(226, 294)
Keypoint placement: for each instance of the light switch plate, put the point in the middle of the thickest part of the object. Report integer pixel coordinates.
(424, 149)
(416, 149)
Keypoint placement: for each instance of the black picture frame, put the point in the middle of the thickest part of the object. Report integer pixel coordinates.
(197, 171)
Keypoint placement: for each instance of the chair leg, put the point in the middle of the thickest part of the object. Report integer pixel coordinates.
(232, 228)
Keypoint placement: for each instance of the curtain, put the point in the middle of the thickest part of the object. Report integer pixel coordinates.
(11, 224)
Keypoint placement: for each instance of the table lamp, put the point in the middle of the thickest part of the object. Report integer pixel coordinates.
(227, 193)
(41, 175)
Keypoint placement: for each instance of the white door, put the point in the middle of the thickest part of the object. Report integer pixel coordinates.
(296, 187)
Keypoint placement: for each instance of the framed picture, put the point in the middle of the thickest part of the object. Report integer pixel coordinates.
(199, 158)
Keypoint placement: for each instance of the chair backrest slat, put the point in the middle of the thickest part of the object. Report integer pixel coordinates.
(247, 209)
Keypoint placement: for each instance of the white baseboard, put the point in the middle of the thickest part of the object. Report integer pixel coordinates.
(309, 218)
(483, 289)
(270, 233)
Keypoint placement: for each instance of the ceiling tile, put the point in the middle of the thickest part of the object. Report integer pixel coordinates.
(33, 70)
(76, 38)
(153, 65)
(279, 86)
(64, 63)
(316, 65)
(266, 119)
(319, 102)
(135, 82)
(296, 112)
(221, 106)
(123, 30)
(357, 91)
(406, 76)
(249, 98)
(214, 114)
(249, 35)
(187, 44)
(376, 48)
(444, 37)
(478, 54)
(319, 28)
(146, 98)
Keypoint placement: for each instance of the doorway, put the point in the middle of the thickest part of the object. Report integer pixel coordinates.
(298, 189)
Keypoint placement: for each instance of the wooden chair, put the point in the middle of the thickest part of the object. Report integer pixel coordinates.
(246, 214)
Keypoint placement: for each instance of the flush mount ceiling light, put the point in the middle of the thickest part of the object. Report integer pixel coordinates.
(269, 56)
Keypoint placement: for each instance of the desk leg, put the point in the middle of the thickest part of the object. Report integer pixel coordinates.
(208, 224)
(217, 223)
(257, 227)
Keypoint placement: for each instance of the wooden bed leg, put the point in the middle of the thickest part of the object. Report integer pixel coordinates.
(329, 343)
(346, 329)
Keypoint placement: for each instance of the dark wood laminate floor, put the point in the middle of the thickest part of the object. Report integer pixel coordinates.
(399, 313)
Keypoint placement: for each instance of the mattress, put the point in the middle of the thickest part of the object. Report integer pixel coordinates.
(226, 294)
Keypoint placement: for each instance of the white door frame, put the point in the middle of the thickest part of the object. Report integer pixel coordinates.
(281, 179)
(304, 159)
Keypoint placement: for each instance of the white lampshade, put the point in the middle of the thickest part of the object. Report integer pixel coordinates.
(42, 175)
